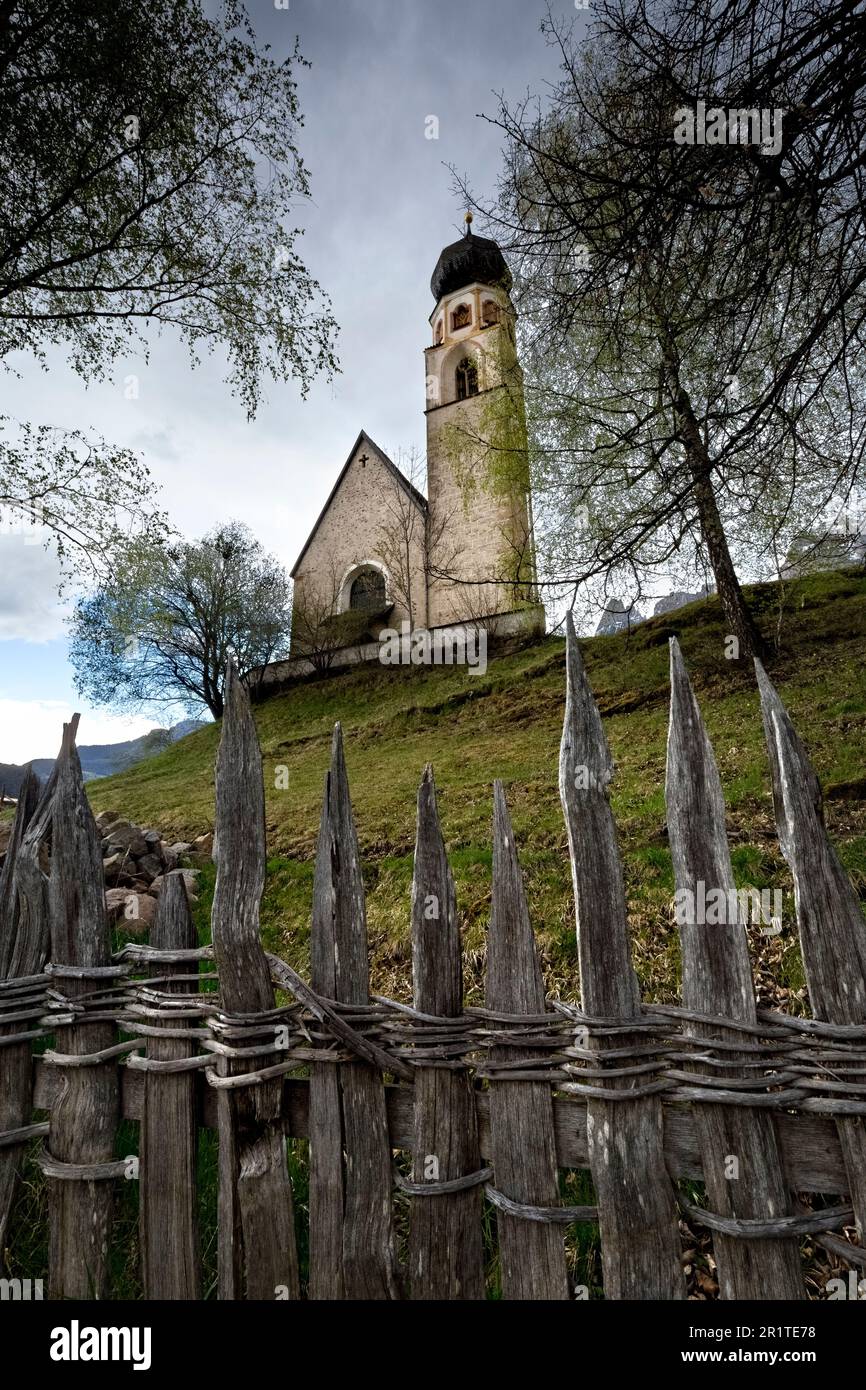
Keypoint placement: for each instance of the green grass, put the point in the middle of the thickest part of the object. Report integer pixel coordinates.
(507, 723)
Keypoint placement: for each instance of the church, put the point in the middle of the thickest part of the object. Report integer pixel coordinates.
(381, 554)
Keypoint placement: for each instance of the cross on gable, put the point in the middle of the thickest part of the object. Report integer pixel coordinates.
(364, 460)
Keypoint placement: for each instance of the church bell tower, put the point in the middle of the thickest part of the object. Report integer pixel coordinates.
(479, 509)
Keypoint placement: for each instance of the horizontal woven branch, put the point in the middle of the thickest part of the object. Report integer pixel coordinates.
(751, 1228)
(84, 1172)
(790, 1063)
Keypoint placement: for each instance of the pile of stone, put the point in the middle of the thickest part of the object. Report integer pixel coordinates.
(135, 861)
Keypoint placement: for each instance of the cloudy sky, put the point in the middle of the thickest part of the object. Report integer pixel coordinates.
(382, 209)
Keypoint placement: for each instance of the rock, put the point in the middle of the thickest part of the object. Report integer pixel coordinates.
(115, 898)
(106, 818)
(134, 912)
(189, 877)
(129, 837)
(149, 866)
(120, 826)
(111, 867)
(138, 910)
(137, 929)
(136, 859)
(198, 860)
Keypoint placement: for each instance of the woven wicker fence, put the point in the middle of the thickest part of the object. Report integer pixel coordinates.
(490, 1103)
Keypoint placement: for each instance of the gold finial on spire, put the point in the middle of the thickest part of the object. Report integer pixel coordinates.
(468, 220)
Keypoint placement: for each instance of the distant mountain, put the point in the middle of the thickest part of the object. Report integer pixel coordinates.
(617, 618)
(102, 759)
(678, 599)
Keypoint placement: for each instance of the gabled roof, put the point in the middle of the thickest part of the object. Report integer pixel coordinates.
(363, 438)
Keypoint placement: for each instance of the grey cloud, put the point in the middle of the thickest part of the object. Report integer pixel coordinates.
(381, 211)
(29, 608)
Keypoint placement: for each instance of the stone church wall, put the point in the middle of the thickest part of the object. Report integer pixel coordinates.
(356, 529)
(483, 531)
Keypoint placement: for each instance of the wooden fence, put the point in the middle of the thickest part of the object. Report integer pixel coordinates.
(490, 1103)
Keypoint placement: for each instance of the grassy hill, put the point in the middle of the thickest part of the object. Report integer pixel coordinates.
(507, 724)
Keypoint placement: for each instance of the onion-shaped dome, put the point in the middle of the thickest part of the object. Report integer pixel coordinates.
(467, 261)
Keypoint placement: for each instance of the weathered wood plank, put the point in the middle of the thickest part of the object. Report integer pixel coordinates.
(340, 970)
(829, 918)
(19, 941)
(257, 1250)
(446, 1257)
(28, 799)
(640, 1237)
(31, 939)
(810, 1145)
(325, 1120)
(741, 1158)
(522, 1147)
(168, 1210)
(84, 1120)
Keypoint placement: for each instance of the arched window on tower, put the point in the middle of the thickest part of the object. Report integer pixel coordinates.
(461, 317)
(368, 590)
(439, 332)
(490, 312)
(467, 379)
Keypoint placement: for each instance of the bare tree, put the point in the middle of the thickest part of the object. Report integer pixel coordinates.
(411, 546)
(402, 543)
(319, 629)
(692, 313)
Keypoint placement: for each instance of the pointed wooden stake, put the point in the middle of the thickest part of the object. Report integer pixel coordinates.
(741, 1157)
(351, 1234)
(257, 1252)
(446, 1259)
(84, 1120)
(21, 944)
(523, 1147)
(168, 1197)
(637, 1213)
(829, 919)
(832, 929)
(28, 799)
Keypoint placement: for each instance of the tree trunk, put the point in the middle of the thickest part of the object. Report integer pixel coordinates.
(749, 642)
(742, 625)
